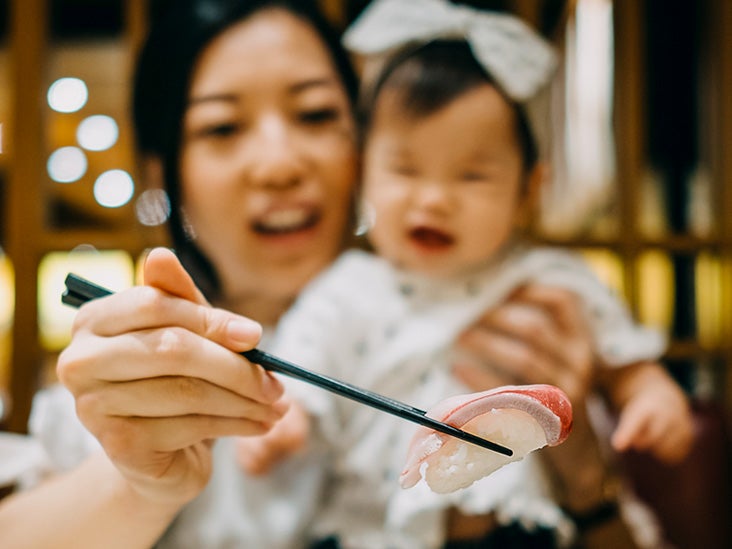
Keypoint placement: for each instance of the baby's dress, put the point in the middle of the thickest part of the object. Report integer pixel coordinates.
(391, 332)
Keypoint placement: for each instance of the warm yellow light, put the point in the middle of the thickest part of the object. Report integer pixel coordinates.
(709, 299)
(7, 306)
(111, 268)
(7, 288)
(608, 268)
(656, 290)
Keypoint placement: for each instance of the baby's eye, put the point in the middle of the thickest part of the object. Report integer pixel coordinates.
(319, 116)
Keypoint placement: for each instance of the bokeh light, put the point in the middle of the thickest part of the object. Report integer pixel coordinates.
(67, 94)
(111, 268)
(114, 188)
(66, 164)
(153, 207)
(97, 133)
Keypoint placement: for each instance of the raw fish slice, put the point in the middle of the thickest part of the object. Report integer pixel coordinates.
(521, 417)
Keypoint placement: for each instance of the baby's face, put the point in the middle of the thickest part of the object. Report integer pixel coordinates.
(446, 189)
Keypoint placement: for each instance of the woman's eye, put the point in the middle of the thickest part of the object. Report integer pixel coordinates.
(474, 177)
(219, 130)
(404, 170)
(319, 116)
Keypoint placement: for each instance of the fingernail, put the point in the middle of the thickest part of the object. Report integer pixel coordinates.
(244, 331)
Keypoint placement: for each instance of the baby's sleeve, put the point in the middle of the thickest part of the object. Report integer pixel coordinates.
(619, 339)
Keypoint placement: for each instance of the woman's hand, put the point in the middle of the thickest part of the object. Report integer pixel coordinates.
(538, 335)
(155, 380)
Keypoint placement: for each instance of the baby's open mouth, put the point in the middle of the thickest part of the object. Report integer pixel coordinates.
(286, 221)
(431, 238)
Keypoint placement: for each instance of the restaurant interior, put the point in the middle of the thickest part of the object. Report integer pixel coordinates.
(641, 181)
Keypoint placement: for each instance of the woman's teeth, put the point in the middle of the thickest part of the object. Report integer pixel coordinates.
(285, 221)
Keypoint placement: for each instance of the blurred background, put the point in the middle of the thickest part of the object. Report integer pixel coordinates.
(641, 147)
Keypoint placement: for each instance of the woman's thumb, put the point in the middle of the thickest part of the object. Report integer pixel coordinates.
(163, 270)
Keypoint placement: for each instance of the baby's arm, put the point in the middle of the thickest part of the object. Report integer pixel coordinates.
(257, 455)
(654, 412)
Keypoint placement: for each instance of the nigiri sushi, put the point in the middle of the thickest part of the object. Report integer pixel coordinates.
(523, 418)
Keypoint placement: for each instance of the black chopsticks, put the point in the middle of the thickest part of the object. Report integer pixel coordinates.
(79, 291)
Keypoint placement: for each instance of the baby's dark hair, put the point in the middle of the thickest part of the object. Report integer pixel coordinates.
(430, 76)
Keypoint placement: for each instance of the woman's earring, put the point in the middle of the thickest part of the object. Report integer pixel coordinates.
(187, 226)
(365, 218)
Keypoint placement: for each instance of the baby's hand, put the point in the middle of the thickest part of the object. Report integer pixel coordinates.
(657, 420)
(257, 455)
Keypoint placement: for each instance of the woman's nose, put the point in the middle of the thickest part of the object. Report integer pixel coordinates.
(274, 158)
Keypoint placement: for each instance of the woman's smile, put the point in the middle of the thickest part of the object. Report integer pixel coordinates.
(286, 221)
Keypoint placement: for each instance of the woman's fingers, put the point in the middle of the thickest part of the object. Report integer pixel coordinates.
(527, 322)
(145, 307)
(162, 270)
(536, 336)
(148, 332)
(170, 298)
(475, 375)
(508, 354)
(162, 352)
(561, 304)
(192, 396)
(127, 436)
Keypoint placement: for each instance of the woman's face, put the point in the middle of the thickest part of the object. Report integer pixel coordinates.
(268, 160)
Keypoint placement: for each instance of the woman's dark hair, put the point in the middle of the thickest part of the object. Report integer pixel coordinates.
(430, 76)
(178, 35)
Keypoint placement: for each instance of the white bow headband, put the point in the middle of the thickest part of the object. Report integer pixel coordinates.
(520, 61)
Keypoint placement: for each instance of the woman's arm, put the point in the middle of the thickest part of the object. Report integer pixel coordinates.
(155, 381)
(91, 506)
(587, 487)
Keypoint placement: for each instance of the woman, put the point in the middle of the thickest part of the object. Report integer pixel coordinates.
(245, 110)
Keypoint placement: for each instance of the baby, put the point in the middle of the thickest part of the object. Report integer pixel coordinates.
(451, 174)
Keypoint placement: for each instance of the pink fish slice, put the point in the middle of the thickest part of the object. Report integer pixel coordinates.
(521, 417)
